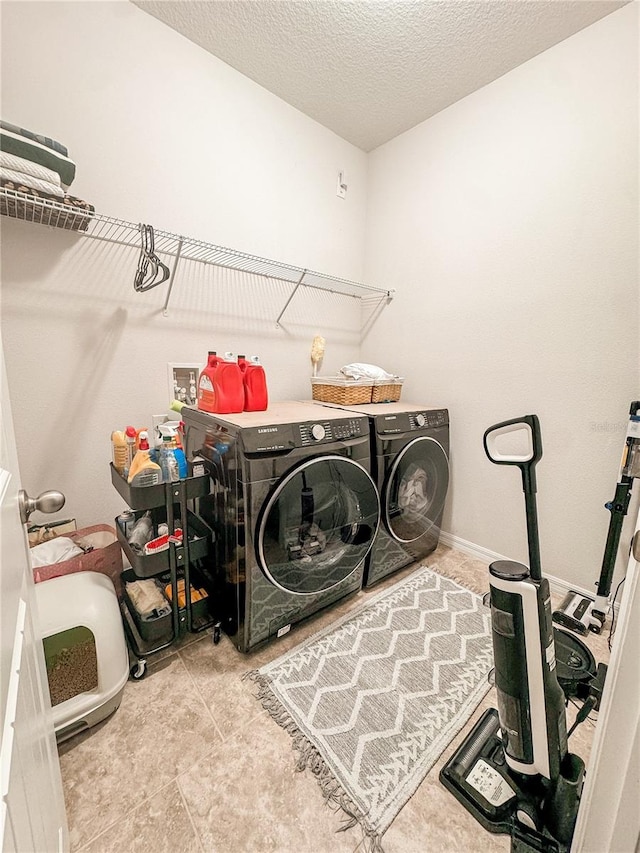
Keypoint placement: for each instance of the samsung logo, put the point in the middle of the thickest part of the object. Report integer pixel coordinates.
(268, 429)
(391, 418)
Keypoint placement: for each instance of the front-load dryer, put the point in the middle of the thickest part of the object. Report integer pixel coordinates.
(294, 509)
(410, 464)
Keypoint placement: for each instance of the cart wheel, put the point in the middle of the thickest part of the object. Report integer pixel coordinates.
(216, 635)
(138, 670)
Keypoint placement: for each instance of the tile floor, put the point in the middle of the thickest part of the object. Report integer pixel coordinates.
(191, 762)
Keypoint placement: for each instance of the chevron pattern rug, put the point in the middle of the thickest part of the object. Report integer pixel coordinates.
(372, 701)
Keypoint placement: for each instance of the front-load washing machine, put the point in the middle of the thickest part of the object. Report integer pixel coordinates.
(410, 464)
(294, 509)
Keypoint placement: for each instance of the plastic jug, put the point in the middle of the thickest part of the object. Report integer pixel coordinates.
(229, 390)
(256, 397)
(206, 384)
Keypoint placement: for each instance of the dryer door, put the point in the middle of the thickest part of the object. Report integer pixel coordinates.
(415, 489)
(318, 525)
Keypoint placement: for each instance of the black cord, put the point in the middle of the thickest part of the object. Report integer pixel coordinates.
(583, 713)
(612, 629)
(590, 719)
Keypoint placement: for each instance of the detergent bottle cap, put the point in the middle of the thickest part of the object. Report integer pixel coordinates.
(144, 440)
(254, 359)
(130, 432)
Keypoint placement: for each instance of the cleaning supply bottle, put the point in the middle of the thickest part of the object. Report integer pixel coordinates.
(256, 397)
(168, 461)
(143, 471)
(229, 389)
(206, 386)
(141, 533)
(119, 451)
(242, 363)
(130, 438)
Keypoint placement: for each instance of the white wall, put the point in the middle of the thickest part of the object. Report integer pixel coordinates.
(509, 225)
(163, 133)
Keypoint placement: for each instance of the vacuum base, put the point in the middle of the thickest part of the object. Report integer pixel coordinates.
(576, 612)
(478, 777)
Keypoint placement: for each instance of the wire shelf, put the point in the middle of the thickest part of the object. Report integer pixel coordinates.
(89, 223)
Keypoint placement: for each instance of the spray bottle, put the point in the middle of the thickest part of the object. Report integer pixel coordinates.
(170, 446)
(143, 471)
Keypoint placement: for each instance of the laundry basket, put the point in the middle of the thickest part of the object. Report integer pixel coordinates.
(387, 390)
(338, 389)
(106, 556)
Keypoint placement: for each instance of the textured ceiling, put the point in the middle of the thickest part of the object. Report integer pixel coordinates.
(371, 69)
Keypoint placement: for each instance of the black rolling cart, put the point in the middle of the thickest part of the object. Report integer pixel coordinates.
(173, 504)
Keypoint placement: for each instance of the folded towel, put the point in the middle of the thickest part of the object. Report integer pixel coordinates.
(25, 183)
(36, 137)
(28, 167)
(358, 370)
(20, 146)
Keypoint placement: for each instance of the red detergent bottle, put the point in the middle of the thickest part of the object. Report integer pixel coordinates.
(206, 384)
(229, 390)
(256, 396)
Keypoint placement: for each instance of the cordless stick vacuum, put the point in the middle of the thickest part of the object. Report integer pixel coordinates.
(582, 613)
(514, 772)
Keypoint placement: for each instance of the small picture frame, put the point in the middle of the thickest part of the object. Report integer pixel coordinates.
(183, 382)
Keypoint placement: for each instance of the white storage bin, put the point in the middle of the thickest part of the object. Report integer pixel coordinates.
(85, 649)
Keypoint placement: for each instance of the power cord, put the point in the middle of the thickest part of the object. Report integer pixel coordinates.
(583, 713)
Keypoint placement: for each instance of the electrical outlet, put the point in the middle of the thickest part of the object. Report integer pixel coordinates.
(341, 189)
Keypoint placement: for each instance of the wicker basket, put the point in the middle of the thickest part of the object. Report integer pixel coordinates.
(387, 390)
(344, 392)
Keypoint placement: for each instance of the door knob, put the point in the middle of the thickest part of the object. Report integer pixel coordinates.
(49, 501)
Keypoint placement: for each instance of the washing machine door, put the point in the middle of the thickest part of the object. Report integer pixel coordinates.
(415, 489)
(317, 525)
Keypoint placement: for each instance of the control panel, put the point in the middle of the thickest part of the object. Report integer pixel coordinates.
(430, 419)
(320, 432)
(402, 422)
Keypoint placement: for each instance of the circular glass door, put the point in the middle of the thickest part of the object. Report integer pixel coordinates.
(416, 489)
(318, 525)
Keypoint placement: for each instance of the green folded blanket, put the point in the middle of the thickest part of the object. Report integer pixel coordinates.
(36, 137)
(20, 146)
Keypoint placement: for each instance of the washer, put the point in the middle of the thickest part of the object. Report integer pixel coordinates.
(410, 464)
(294, 509)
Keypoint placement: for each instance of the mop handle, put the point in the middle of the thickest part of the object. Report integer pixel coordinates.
(527, 462)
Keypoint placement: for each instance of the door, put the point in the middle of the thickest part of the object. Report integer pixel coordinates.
(33, 815)
(608, 817)
(415, 489)
(318, 525)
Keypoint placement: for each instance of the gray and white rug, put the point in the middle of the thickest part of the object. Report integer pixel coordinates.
(373, 700)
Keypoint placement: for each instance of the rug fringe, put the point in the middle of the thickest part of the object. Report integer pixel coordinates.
(308, 757)
(479, 588)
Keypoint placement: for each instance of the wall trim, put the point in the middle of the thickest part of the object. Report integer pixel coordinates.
(558, 586)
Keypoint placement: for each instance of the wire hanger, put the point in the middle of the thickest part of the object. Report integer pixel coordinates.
(151, 271)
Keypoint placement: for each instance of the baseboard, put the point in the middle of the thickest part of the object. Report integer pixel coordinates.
(558, 586)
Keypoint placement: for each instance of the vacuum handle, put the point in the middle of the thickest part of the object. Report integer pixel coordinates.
(526, 461)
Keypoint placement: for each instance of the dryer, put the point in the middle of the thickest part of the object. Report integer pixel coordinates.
(410, 464)
(294, 509)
